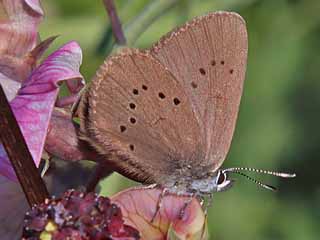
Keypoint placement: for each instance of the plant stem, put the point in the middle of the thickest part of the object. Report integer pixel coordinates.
(115, 22)
(151, 12)
(21, 159)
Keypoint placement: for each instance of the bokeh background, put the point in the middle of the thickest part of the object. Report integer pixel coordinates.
(278, 126)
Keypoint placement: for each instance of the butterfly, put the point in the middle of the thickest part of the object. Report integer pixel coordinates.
(166, 115)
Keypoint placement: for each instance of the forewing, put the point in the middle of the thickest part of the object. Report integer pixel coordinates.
(138, 114)
(208, 57)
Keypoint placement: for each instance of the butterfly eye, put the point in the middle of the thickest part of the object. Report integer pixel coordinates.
(221, 178)
(222, 181)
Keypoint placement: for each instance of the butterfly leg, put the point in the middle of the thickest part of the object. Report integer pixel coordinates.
(159, 203)
(208, 204)
(185, 205)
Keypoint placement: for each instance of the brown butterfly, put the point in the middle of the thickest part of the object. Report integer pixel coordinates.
(166, 115)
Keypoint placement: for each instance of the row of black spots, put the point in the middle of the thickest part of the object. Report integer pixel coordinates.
(161, 95)
(176, 100)
(133, 106)
(135, 91)
(203, 72)
(222, 62)
(132, 120)
(213, 63)
(123, 128)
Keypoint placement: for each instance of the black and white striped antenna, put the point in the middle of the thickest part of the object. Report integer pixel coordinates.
(238, 170)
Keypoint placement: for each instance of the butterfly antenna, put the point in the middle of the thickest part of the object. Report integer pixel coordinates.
(266, 186)
(278, 174)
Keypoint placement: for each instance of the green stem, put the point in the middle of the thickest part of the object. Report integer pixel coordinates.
(151, 12)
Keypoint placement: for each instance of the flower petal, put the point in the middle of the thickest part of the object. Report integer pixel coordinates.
(138, 206)
(35, 5)
(19, 20)
(62, 138)
(9, 86)
(35, 101)
(19, 26)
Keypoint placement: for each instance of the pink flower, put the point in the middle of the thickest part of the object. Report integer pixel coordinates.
(138, 206)
(19, 36)
(32, 90)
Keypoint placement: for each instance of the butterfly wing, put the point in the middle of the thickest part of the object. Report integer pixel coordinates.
(208, 57)
(136, 113)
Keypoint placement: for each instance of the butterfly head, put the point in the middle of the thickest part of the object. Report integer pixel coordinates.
(220, 180)
(215, 182)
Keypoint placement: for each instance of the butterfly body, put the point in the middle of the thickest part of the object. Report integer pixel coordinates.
(166, 115)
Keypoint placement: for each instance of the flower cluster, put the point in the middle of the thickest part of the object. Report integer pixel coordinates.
(77, 216)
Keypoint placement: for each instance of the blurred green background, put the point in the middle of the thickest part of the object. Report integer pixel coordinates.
(278, 126)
